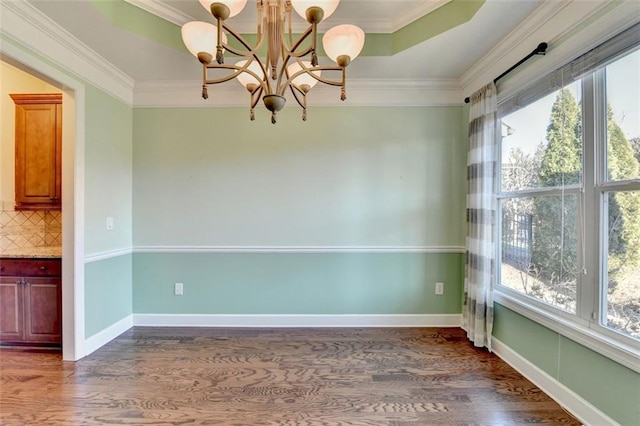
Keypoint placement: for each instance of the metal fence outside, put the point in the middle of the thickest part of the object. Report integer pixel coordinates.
(517, 240)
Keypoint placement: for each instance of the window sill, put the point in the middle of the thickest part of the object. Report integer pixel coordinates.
(620, 352)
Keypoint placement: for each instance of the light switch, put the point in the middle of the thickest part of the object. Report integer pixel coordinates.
(109, 223)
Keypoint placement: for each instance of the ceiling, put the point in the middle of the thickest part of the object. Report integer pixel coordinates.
(139, 36)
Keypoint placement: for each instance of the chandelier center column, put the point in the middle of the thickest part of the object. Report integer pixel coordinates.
(274, 34)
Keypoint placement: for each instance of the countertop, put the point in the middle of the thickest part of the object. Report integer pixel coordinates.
(33, 252)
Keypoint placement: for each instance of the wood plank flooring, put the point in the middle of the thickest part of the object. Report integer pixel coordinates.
(206, 376)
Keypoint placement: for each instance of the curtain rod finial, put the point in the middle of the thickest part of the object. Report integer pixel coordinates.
(542, 48)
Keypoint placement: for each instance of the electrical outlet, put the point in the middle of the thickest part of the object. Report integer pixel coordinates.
(178, 289)
(109, 223)
(439, 288)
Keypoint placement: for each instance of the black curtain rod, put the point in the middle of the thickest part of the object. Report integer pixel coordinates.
(540, 50)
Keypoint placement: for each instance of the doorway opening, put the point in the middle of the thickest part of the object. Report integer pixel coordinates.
(72, 232)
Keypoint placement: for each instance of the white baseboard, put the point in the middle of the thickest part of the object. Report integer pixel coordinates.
(571, 401)
(103, 337)
(192, 320)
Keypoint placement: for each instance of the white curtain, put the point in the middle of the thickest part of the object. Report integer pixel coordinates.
(477, 312)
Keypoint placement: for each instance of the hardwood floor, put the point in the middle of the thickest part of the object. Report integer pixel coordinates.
(204, 376)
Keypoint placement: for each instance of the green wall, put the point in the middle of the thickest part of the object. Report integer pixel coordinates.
(108, 172)
(108, 192)
(609, 386)
(348, 177)
(107, 293)
(297, 283)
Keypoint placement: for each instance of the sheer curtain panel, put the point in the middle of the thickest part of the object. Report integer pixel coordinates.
(477, 312)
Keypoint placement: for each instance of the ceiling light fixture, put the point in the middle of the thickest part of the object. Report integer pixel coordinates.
(283, 67)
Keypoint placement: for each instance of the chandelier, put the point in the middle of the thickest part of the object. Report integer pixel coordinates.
(289, 63)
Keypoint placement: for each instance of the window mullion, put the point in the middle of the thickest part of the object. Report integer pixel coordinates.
(587, 306)
(600, 204)
(541, 192)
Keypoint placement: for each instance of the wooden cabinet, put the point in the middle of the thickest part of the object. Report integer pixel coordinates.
(38, 121)
(30, 301)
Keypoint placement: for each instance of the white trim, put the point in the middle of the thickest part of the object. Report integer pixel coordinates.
(598, 342)
(73, 229)
(571, 401)
(597, 32)
(554, 23)
(103, 337)
(245, 24)
(298, 249)
(484, 69)
(162, 10)
(109, 254)
(360, 92)
(25, 24)
(209, 320)
(421, 9)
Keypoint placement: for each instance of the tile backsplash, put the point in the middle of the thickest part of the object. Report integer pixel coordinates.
(26, 229)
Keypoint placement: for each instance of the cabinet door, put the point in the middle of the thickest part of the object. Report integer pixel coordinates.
(43, 310)
(11, 312)
(38, 124)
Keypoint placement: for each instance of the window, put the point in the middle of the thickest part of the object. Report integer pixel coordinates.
(569, 197)
(620, 188)
(541, 177)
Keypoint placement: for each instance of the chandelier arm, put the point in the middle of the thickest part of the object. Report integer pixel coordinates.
(251, 51)
(283, 70)
(296, 91)
(264, 82)
(303, 37)
(231, 76)
(288, 54)
(309, 71)
(256, 95)
(255, 92)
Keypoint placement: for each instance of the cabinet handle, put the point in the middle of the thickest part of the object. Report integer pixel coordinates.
(21, 282)
(43, 268)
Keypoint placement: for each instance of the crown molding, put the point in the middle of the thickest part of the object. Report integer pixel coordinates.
(26, 26)
(575, 43)
(360, 92)
(421, 9)
(162, 10)
(509, 46)
(389, 25)
(550, 23)
(382, 25)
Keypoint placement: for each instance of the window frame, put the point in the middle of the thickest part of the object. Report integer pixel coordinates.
(586, 325)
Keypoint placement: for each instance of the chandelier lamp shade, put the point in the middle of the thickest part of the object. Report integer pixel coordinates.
(290, 63)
